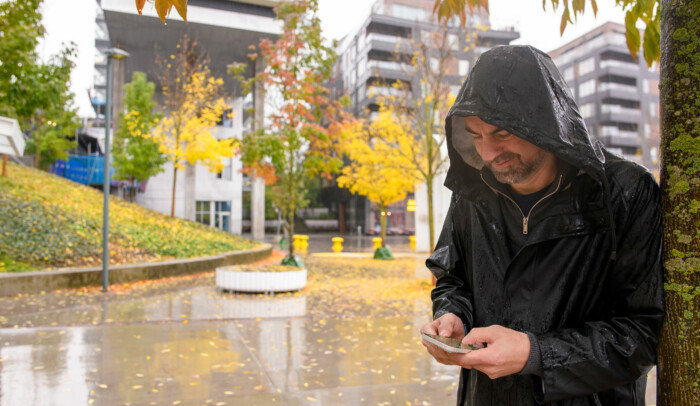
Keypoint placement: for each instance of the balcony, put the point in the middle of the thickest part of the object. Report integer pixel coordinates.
(612, 63)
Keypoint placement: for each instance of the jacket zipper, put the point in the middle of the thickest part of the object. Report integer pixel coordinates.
(526, 219)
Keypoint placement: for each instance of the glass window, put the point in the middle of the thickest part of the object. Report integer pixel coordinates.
(453, 42)
(586, 88)
(408, 12)
(203, 212)
(653, 109)
(569, 74)
(645, 85)
(463, 68)
(587, 110)
(586, 66)
(434, 64)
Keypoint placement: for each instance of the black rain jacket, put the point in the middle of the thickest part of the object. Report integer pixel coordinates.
(582, 271)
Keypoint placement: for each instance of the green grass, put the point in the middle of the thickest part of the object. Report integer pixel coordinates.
(50, 222)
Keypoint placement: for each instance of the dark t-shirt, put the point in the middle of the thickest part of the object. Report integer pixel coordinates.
(527, 201)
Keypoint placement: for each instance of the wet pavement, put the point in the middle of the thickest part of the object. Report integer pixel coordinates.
(350, 338)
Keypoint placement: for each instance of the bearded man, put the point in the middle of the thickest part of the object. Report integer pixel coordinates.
(550, 255)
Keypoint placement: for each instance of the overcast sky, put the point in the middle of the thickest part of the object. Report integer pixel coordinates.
(73, 20)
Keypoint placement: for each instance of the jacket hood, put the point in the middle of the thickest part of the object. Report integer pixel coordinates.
(519, 89)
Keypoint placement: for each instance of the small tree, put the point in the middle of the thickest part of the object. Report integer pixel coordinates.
(304, 121)
(378, 166)
(35, 93)
(136, 155)
(192, 106)
(423, 109)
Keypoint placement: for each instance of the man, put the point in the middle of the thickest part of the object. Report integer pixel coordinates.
(550, 254)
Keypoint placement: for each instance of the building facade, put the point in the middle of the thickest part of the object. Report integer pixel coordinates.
(224, 30)
(379, 54)
(617, 95)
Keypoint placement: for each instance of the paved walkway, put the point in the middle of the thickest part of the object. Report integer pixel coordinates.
(351, 338)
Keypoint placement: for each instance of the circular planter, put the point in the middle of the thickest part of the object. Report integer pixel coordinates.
(248, 279)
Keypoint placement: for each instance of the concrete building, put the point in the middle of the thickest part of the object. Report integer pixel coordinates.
(376, 56)
(618, 97)
(224, 30)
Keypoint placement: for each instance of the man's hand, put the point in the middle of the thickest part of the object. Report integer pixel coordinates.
(448, 325)
(506, 354)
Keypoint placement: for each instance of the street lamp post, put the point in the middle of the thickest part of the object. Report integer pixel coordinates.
(112, 53)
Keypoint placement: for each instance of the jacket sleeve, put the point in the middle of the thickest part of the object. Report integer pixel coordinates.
(602, 354)
(452, 292)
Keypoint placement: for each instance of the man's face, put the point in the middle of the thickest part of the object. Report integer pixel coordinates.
(511, 159)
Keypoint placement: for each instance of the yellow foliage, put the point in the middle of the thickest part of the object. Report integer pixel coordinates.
(184, 135)
(380, 167)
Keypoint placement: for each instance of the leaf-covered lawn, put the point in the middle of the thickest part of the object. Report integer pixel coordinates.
(50, 222)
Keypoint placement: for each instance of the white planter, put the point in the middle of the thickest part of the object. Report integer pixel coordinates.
(229, 278)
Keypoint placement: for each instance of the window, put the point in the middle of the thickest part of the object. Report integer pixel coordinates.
(463, 68)
(226, 119)
(586, 66)
(645, 85)
(653, 109)
(587, 110)
(586, 88)
(408, 12)
(455, 90)
(569, 74)
(214, 214)
(434, 64)
(203, 213)
(453, 42)
(225, 173)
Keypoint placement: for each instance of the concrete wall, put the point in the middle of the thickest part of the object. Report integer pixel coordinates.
(38, 281)
(441, 203)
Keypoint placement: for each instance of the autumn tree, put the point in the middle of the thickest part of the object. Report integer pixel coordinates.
(35, 93)
(672, 34)
(303, 121)
(424, 101)
(192, 105)
(136, 156)
(378, 167)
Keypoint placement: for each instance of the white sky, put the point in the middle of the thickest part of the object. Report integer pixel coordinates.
(73, 20)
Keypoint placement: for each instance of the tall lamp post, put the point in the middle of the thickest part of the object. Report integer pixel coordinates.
(112, 53)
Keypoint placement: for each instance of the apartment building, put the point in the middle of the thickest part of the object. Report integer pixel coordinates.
(223, 30)
(617, 95)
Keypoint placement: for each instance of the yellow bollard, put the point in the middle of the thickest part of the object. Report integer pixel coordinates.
(297, 240)
(303, 243)
(413, 242)
(337, 244)
(377, 242)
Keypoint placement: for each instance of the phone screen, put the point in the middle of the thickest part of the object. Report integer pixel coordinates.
(449, 344)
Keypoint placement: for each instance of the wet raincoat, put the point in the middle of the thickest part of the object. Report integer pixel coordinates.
(581, 271)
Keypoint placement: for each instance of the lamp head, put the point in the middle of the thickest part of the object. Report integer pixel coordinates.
(116, 53)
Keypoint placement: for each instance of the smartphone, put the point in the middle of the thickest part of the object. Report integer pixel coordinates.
(450, 344)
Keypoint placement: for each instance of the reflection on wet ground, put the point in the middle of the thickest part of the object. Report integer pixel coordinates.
(350, 338)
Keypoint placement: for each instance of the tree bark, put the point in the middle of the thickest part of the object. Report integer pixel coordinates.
(172, 206)
(382, 223)
(290, 237)
(679, 354)
(431, 219)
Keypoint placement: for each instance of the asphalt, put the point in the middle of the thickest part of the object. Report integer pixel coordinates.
(184, 342)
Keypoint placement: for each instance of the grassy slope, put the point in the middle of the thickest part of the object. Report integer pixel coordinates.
(50, 222)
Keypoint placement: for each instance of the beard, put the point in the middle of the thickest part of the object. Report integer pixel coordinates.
(519, 170)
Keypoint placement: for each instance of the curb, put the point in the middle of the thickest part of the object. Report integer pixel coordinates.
(44, 281)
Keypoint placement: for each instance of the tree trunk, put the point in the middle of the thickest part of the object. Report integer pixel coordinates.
(172, 206)
(382, 223)
(341, 218)
(131, 191)
(37, 153)
(431, 220)
(290, 237)
(679, 357)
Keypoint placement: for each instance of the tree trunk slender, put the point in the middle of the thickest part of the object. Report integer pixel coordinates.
(431, 219)
(382, 223)
(290, 238)
(172, 206)
(679, 355)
